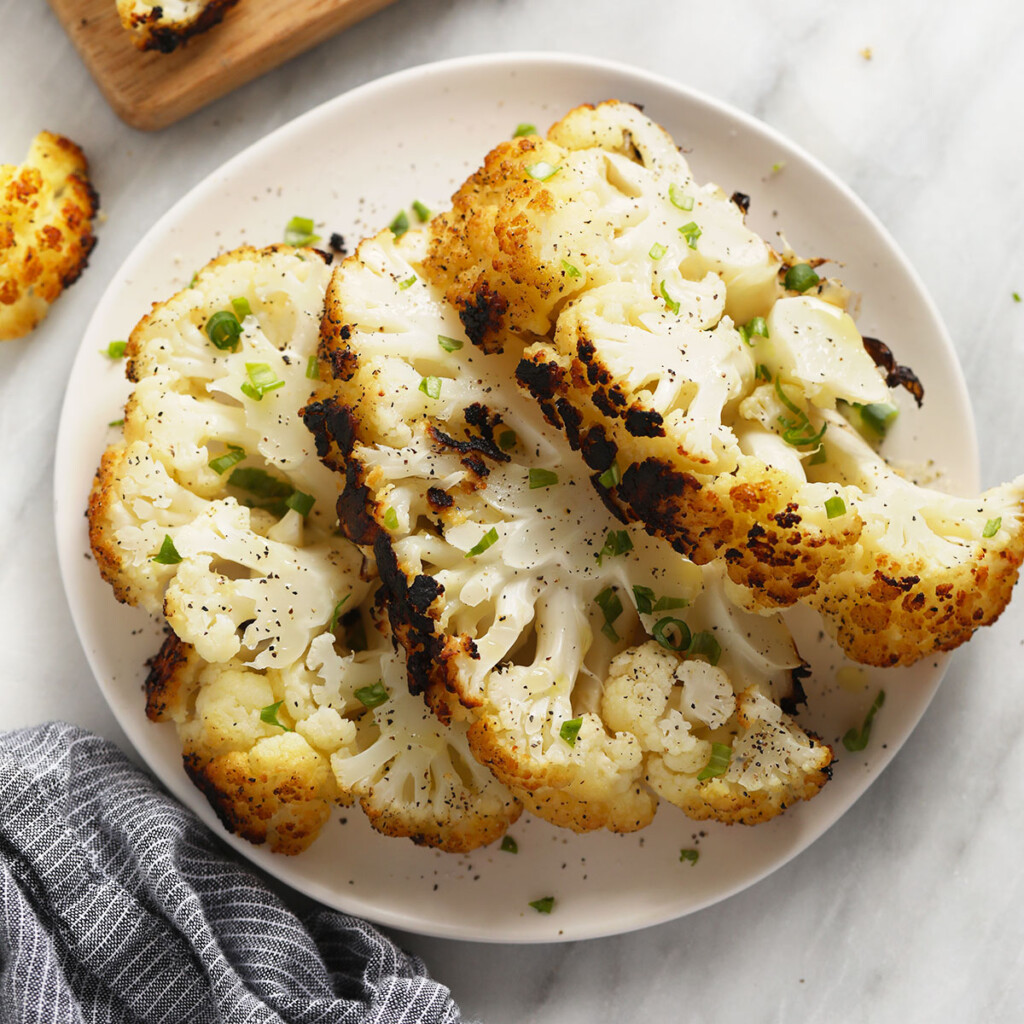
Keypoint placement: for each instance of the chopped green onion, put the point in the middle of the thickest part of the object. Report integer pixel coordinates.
(1016, 296)
(489, 538)
(644, 597)
(261, 380)
(835, 507)
(336, 614)
(778, 166)
(407, 283)
(819, 456)
(299, 232)
(665, 604)
(269, 715)
(992, 527)
(431, 387)
(799, 432)
(570, 730)
(372, 696)
(691, 233)
(672, 304)
(544, 905)
(115, 350)
(507, 440)
(449, 344)
(241, 307)
(232, 457)
(690, 855)
(618, 542)
(300, 502)
(706, 644)
(224, 330)
(391, 518)
(116, 423)
(542, 478)
(524, 129)
(195, 277)
(877, 417)
(656, 251)
(679, 199)
(661, 629)
(313, 368)
(422, 212)
(721, 754)
(854, 740)
(509, 845)
(259, 482)
(757, 326)
(761, 373)
(611, 476)
(168, 553)
(800, 277)
(400, 224)
(570, 269)
(542, 171)
(610, 605)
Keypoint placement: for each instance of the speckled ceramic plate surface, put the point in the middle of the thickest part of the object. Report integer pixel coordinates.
(367, 154)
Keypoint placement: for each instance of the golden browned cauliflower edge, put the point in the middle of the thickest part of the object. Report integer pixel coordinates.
(152, 29)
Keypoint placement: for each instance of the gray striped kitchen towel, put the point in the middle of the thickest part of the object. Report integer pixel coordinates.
(117, 904)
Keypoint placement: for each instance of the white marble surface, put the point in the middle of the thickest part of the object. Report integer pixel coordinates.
(912, 907)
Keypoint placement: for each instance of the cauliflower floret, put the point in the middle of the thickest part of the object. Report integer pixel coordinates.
(715, 755)
(46, 210)
(166, 25)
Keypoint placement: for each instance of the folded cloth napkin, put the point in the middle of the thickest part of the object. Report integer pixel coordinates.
(117, 904)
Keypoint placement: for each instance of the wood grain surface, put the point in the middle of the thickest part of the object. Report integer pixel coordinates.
(152, 90)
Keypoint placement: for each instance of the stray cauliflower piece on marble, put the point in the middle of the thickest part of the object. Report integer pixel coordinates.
(47, 207)
(168, 24)
(712, 753)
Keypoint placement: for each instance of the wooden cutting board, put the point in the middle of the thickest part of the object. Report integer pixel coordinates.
(152, 90)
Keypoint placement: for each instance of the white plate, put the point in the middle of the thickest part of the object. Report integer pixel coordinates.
(352, 164)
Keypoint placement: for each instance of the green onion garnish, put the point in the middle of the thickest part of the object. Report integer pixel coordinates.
(507, 440)
(664, 630)
(691, 233)
(313, 368)
(618, 542)
(835, 507)
(706, 644)
(656, 251)
(431, 387)
(992, 527)
(222, 463)
(259, 482)
(757, 326)
(1016, 296)
(168, 553)
(690, 855)
(391, 518)
(372, 696)
(611, 476)
(509, 845)
(854, 740)
(261, 380)
(545, 905)
(665, 604)
(400, 224)
(721, 754)
(761, 373)
(819, 456)
(542, 478)
(224, 330)
(799, 432)
(299, 231)
(672, 304)
(195, 277)
(877, 417)
(570, 730)
(336, 614)
(115, 350)
(679, 199)
(570, 269)
(524, 129)
(269, 715)
(241, 307)
(300, 502)
(644, 597)
(542, 171)
(800, 277)
(116, 423)
(449, 344)
(422, 212)
(489, 538)
(407, 283)
(611, 607)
